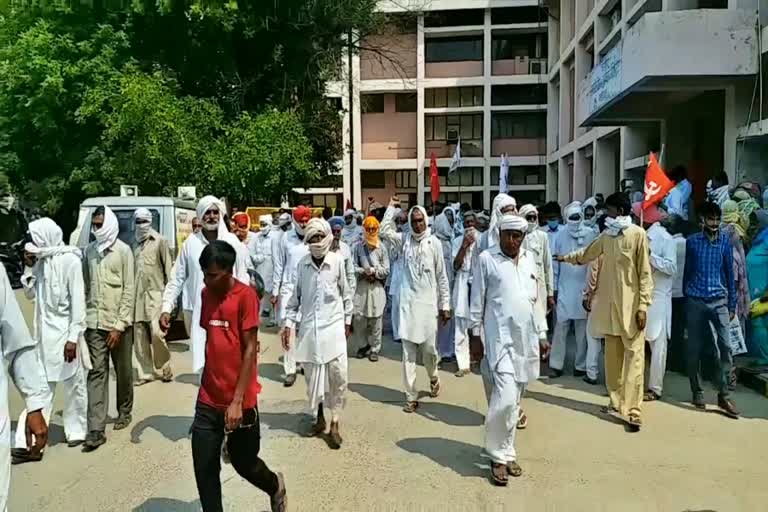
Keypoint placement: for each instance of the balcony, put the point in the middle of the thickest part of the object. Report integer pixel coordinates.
(518, 134)
(514, 53)
(389, 126)
(519, 146)
(693, 51)
(442, 131)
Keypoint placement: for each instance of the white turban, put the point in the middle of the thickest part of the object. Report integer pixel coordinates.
(576, 228)
(424, 234)
(142, 214)
(314, 227)
(47, 243)
(141, 231)
(500, 202)
(205, 204)
(284, 219)
(527, 209)
(267, 219)
(107, 235)
(573, 209)
(512, 222)
(350, 213)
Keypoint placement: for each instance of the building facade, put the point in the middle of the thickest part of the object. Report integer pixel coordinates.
(678, 77)
(450, 70)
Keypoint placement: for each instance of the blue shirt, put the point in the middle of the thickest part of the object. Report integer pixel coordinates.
(709, 269)
(677, 199)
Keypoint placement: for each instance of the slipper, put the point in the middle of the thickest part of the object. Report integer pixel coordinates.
(651, 396)
(434, 388)
(522, 421)
(22, 458)
(499, 474)
(634, 422)
(411, 407)
(514, 469)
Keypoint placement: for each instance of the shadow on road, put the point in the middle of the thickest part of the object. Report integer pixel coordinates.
(188, 378)
(168, 505)
(574, 405)
(173, 428)
(463, 458)
(178, 346)
(449, 414)
(287, 421)
(271, 371)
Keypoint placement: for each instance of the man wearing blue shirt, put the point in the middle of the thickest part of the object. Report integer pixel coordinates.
(711, 291)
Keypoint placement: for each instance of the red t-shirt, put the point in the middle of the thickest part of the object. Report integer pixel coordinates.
(225, 320)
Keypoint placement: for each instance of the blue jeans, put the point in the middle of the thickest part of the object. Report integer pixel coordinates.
(701, 313)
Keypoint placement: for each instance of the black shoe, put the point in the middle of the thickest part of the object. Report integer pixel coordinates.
(555, 374)
(279, 502)
(698, 401)
(579, 373)
(590, 381)
(122, 422)
(363, 352)
(728, 407)
(75, 444)
(373, 357)
(290, 380)
(93, 441)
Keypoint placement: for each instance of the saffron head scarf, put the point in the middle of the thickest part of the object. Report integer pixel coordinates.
(371, 231)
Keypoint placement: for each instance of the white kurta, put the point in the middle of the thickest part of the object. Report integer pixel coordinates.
(503, 296)
(537, 243)
(22, 362)
(664, 267)
(294, 252)
(349, 266)
(462, 278)
(424, 288)
(187, 272)
(322, 302)
(569, 279)
(677, 285)
(260, 249)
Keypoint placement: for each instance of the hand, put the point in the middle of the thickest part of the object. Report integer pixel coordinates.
(233, 417)
(165, 322)
(640, 318)
(37, 428)
(29, 259)
(445, 317)
(586, 305)
(273, 300)
(347, 331)
(733, 315)
(285, 338)
(551, 303)
(560, 259)
(394, 201)
(469, 239)
(371, 278)
(70, 351)
(544, 349)
(113, 338)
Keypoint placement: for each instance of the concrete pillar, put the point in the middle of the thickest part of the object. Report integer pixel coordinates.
(487, 67)
(357, 127)
(580, 169)
(420, 109)
(605, 166)
(730, 133)
(563, 182)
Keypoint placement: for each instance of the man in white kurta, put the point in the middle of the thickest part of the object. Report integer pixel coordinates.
(443, 230)
(537, 243)
(396, 273)
(569, 283)
(23, 364)
(352, 232)
(663, 260)
(55, 283)
(465, 250)
(260, 249)
(423, 295)
(285, 258)
(188, 292)
(211, 212)
(504, 292)
(322, 301)
(339, 247)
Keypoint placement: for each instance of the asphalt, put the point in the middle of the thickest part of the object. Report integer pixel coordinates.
(573, 457)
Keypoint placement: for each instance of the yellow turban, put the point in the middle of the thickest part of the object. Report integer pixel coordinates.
(371, 231)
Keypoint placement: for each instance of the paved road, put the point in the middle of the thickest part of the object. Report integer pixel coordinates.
(574, 458)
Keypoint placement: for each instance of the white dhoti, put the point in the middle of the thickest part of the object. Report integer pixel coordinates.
(327, 384)
(289, 356)
(74, 413)
(658, 362)
(557, 356)
(411, 350)
(504, 394)
(462, 342)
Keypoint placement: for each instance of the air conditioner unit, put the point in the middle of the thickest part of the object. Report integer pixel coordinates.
(187, 193)
(129, 191)
(452, 135)
(537, 67)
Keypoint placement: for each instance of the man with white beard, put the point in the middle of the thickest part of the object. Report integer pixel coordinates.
(286, 257)
(321, 306)
(423, 296)
(261, 255)
(504, 293)
(187, 268)
(22, 363)
(53, 278)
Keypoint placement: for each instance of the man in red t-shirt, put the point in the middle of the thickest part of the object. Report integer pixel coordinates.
(227, 401)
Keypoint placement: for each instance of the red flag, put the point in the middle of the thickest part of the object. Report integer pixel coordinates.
(434, 179)
(349, 204)
(657, 184)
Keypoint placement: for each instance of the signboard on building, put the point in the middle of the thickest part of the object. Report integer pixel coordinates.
(605, 82)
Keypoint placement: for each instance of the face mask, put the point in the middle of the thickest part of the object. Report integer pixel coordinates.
(348, 221)
(574, 225)
(553, 224)
(142, 231)
(590, 222)
(532, 226)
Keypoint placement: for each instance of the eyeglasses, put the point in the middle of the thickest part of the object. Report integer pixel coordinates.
(531, 218)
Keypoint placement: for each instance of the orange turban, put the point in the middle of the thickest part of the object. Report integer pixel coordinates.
(371, 231)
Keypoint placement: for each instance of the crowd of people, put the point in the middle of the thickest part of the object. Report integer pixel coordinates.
(495, 292)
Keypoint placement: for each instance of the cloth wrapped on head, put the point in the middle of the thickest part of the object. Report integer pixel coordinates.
(314, 227)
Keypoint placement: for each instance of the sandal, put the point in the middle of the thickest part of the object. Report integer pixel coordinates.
(522, 420)
(609, 409)
(651, 396)
(434, 388)
(411, 406)
(499, 474)
(634, 422)
(514, 469)
(22, 457)
(461, 373)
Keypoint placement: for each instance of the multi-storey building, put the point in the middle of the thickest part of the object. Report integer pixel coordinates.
(680, 77)
(469, 69)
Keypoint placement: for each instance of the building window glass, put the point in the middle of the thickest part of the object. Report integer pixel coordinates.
(521, 175)
(453, 97)
(454, 49)
(405, 102)
(464, 177)
(468, 126)
(374, 179)
(406, 179)
(372, 103)
(510, 126)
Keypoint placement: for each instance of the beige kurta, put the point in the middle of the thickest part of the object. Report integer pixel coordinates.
(153, 270)
(624, 285)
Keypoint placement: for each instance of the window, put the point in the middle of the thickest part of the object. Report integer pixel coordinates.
(463, 177)
(511, 126)
(405, 102)
(473, 199)
(406, 179)
(529, 94)
(374, 179)
(127, 224)
(372, 103)
(457, 18)
(454, 49)
(516, 45)
(469, 126)
(509, 15)
(454, 97)
(521, 175)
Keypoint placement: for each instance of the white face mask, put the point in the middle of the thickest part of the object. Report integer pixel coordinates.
(142, 231)
(533, 226)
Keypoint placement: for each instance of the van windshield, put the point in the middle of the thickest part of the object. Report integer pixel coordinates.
(125, 220)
